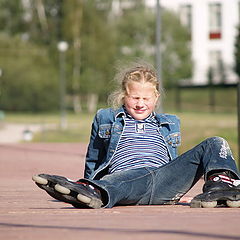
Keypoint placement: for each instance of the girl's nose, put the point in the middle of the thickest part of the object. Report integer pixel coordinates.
(140, 102)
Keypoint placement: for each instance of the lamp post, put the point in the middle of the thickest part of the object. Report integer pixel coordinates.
(0, 81)
(238, 107)
(158, 50)
(1, 112)
(62, 48)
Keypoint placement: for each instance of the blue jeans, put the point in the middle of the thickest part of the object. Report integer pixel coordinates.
(168, 183)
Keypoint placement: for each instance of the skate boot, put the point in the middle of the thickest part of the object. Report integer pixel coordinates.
(219, 191)
(79, 194)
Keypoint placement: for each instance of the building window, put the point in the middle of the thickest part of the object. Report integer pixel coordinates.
(186, 15)
(215, 21)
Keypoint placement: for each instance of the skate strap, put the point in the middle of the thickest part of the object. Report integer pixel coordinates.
(225, 179)
(87, 184)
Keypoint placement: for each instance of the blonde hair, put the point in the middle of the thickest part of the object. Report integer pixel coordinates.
(138, 72)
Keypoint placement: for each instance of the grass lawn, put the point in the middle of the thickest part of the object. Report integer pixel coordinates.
(195, 127)
(199, 126)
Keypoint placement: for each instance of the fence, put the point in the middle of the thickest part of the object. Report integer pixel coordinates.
(213, 98)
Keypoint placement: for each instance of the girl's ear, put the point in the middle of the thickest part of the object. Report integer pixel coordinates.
(157, 98)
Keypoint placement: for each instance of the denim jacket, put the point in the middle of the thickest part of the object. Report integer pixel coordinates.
(106, 131)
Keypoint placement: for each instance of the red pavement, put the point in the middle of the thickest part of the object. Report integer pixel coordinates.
(27, 212)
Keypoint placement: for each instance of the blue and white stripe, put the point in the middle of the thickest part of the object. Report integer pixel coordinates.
(137, 149)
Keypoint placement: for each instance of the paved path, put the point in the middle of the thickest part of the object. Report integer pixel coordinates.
(13, 133)
(26, 212)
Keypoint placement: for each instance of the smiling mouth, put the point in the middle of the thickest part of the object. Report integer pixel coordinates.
(140, 110)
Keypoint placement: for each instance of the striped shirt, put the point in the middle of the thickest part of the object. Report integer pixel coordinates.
(140, 145)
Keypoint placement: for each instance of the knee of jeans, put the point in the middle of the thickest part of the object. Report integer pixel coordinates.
(216, 140)
(221, 145)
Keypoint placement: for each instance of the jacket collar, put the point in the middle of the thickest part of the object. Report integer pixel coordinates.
(163, 119)
(120, 112)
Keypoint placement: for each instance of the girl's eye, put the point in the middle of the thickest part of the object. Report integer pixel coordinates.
(134, 98)
(145, 99)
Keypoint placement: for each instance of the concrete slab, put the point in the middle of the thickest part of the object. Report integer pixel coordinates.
(27, 213)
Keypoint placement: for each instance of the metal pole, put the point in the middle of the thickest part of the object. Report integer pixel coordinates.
(158, 51)
(62, 83)
(62, 47)
(238, 107)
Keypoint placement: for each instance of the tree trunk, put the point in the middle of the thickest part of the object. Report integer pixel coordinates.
(42, 16)
(77, 107)
(92, 101)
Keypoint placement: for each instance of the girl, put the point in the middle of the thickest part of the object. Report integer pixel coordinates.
(132, 156)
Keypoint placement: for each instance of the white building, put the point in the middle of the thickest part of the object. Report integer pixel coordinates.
(213, 25)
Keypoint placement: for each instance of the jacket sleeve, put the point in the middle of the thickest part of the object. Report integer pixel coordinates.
(172, 135)
(96, 151)
(175, 135)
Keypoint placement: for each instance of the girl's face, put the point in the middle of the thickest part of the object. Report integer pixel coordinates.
(140, 100)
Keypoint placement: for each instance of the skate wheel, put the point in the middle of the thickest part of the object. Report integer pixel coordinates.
(62, 189)
(39, 180)
(209, 204)
(83, 199)
(233, 204)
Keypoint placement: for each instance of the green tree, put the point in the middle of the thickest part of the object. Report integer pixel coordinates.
(12, 19)
(28, 82)
(72, 24)
(237, 52)
(96, 37)
(176, 52)
(93, 49)
(136, 32)
(137, 39)
(237, 70)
